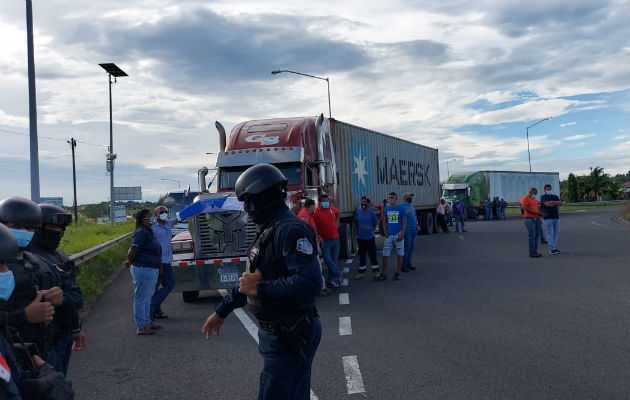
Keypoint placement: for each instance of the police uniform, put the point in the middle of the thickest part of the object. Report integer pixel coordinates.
(285, 253)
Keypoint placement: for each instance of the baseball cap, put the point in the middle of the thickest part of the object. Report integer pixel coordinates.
(408, 195)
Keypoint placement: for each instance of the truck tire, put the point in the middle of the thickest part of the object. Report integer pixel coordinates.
(427, 223)
(345, 241)
(190, 297)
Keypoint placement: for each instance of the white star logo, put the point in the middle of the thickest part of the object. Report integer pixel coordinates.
(360, 168)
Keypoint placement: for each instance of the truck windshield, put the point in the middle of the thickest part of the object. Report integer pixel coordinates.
(229, 175)
(454, 192)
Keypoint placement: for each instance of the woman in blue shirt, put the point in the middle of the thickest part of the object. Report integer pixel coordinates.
(366, 220)
(144, 256)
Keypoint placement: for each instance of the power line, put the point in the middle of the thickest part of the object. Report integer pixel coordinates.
(51, 138)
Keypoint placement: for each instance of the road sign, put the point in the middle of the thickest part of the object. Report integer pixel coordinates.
(58, 201)
(124, 193)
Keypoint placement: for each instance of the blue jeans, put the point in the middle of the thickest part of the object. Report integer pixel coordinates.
(59, 356)
(410, 241)
(459, 219)
(168, 283)
(541, 232)
(144, 280)
(488, 213)
(285, 377)
(330, 252)
(552, 226)
(533, 228)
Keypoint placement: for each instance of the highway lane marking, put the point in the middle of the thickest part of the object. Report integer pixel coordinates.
(345, 326)
(344, 282)
(354, 379)
(251, 327)
(608, 226)
(344, 298)
(346, 270)
(349, 261)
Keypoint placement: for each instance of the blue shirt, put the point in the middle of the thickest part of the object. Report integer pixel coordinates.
(394, 218)
(412, 219)
(367, 221)
(149, 249)
(164, 233)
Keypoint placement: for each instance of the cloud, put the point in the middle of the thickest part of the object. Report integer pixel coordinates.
(574, 145)
(579, 137)
(620, 137)
(567, 124)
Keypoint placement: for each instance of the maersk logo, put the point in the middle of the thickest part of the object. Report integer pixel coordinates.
(403, 172)
(359, 168)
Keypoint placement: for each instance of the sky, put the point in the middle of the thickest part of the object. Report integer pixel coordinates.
(465, 77)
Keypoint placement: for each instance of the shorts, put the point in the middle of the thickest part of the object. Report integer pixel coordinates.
(391, 243)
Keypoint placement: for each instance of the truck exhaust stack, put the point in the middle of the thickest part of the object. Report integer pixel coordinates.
(201, 175)
(222, 137)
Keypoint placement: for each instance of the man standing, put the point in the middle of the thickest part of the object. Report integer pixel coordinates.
(410, 233)
(441, 216)
(488, 205)
(449, 213)
(45, 244)
(550, 203)
(327, 222)
(280, 285)
(502, 206)
(366, 220)
(532, 221)
(395, 226)
(459, 209)
(163, 230)
(307, 214)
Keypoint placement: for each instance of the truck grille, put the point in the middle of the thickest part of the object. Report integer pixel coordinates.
(223, 235)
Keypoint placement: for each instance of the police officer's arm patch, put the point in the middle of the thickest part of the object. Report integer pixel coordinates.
(304, 246)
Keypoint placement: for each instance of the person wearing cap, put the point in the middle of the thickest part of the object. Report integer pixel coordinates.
(327, 221)
(46, 245)
(550, 203)
(459, 209)
(366, 220)
(410, 233)
(162, 228)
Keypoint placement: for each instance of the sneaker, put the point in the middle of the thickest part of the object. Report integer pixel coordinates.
(380, 277)
(396, 276)
(411, 267)
(403, 269)
(332, 285)
(535, 255)
(464, 230)
(145, 331)
(325, 292)
(153, 326)
(159, 315)
(554, 252)
(359, 275)
(544, 242)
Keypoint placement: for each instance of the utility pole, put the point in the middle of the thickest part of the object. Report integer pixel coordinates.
(32, 105)
(73, 144)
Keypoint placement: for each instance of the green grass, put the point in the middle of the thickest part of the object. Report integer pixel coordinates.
(95, 273)
(90, 234)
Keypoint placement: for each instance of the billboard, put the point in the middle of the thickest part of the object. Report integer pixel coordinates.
(120, 213)
(58, 201)
(124, 193)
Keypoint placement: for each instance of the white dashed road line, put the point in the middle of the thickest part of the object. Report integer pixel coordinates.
(344, 282)
(354, 380)
(349, 261)
(251, 327)
(344, 298)
(345, 326)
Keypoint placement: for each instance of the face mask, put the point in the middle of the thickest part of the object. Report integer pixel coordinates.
(363, 205)
(7, 284)
(549, 192)
(325, 204)
(164, 217)
(408, 201)
(392, 203)
(533, 196)
(48, 239)
(23, 237)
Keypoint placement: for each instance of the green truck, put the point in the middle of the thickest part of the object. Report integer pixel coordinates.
(473, 188)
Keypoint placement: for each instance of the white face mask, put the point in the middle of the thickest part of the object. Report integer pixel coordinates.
(164, 216)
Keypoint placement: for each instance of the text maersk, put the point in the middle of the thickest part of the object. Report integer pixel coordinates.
(404, 172)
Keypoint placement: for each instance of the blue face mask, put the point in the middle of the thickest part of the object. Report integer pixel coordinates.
(533, 196)
(23, 237)
(325, 204)
(7, 284)
(549, 192)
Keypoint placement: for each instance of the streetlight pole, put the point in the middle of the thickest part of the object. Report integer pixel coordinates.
(73, 144)
(112, 70)
(174, 180)
(310, 76)
(448, 174)
(32, 105)
(529, 158)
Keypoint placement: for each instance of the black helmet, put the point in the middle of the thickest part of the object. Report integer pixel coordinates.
(54, 215)
(257, 179)
(20, 211)
(8, 245)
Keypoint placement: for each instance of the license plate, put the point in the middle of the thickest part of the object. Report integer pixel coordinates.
(228, 277)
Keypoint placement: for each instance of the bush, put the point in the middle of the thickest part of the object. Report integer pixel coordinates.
(90, 234)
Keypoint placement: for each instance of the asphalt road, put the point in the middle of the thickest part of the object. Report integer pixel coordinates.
(478, 320)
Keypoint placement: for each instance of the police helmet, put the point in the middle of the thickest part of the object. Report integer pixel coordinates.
(257, 179)
(54, 215)
(8, 245)
(20, 211)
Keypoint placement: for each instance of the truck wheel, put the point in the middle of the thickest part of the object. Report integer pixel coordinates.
(345, 242)
(190, 297)
(427, 223)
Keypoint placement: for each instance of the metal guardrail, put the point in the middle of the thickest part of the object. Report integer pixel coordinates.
(83, 256)
(586, 204)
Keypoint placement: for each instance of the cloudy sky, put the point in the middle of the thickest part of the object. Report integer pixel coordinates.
(466, 77)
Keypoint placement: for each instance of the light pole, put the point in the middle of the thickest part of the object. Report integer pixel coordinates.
(448, 174)
(32, 105)
(112, 70)
(73, 144)
(278, 71)
(529, 158)
(174, 180)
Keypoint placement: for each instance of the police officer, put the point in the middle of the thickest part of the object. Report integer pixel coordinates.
(32, 306)
(280, 285)
(45, 244)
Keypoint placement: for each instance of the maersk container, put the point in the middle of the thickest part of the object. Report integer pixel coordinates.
(374, 164)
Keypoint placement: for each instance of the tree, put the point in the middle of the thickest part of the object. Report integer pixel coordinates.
(572, 189)
(596, 182)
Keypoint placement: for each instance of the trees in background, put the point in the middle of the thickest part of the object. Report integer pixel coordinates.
(596, 186)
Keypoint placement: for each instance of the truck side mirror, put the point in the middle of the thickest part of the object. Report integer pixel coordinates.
(468, 191)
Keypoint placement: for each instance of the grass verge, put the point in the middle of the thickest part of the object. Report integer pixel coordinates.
(90, 234)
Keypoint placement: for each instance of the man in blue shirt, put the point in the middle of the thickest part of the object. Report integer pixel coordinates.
(410, 233)
(366, 220)
(163, 230)
(394, 226)
(550, 203)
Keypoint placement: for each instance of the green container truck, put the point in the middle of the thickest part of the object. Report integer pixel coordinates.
(473, 187)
